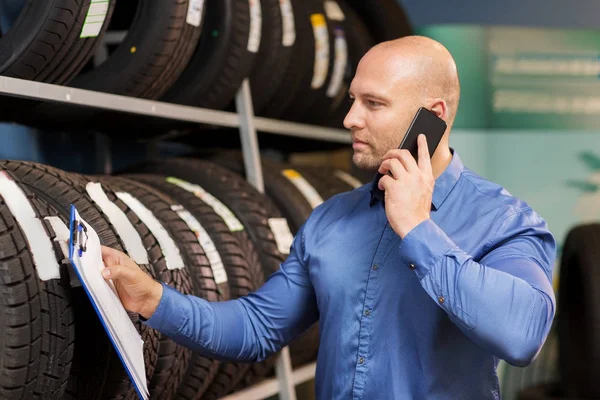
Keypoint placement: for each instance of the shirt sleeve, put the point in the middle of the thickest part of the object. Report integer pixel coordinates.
(249, 328)
(505, 302)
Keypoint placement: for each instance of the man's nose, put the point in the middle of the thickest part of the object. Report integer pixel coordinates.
(353, 119)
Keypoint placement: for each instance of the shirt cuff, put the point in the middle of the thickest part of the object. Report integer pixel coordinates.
(170, 313)
(424, 246)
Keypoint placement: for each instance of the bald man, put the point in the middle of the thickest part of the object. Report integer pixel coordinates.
(421, 282)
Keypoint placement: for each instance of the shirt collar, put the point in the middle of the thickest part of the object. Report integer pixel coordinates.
(443, 184)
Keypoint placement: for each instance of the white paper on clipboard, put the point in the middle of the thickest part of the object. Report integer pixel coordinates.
(85, 254)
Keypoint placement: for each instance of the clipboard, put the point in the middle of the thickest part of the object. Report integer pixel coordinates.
(85, 255)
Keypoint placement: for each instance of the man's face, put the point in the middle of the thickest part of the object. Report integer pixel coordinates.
(385, 100)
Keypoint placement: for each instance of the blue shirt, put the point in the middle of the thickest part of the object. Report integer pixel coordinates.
(424, 317)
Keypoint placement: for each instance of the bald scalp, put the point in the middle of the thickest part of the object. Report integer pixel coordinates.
(428, 64)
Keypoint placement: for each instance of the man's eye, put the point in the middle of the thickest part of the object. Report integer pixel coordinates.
(372, 103)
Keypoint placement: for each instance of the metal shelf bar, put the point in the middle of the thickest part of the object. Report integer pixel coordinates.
(63, 94)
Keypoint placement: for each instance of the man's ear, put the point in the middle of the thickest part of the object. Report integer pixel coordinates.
(440, 108)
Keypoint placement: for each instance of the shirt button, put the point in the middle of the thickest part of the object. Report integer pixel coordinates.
(375, 267)
(361, 360)
(441, 299)
(367, 312)
(412, 266)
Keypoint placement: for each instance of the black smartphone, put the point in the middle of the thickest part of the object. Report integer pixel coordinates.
(427, 123)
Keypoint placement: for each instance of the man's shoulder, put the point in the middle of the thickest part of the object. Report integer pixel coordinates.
(491, 193)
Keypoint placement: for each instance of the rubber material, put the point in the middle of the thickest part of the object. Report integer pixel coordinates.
(296, 209)
(579, 308)
(221, 60)
(90, 368)
(239, 282)
(44, 44)
(156, 50)
(385, 19)
(299, 71)
(253, 211)
(37, 330)
(196, 278)
(273, 55)
(545, 391)
(359, 41)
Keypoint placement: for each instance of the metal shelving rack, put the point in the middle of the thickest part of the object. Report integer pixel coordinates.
(285, 378)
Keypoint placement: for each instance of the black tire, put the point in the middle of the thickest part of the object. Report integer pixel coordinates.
(282, 192)
(156, 50)
(37, 330)
(221, 61)
(195, 278)
(299, 72)
(336, 84)
(44, 43)
(253, 211)
(296, 209)
(234, 259)
(359, 41)
(324, 180)
(385, 19)
(274, 54)
(579, 309)
(92, 376)
(546, 391)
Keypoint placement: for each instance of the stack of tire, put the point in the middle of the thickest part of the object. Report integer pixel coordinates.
(191, 223)
(577, 320)
(299, 55)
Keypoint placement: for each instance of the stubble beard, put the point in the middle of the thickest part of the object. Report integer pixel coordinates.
(366, 160)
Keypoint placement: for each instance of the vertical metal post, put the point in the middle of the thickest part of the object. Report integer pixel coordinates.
(103, 154)
(245, 110)
(285, 375)
(254, 175)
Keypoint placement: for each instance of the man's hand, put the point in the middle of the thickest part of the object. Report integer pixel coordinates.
(138, 291)
(408, 193)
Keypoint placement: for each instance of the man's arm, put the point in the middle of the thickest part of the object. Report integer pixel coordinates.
(505, 302)
(246, 329)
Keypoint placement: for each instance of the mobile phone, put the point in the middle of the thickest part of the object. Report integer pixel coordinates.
(427, 123)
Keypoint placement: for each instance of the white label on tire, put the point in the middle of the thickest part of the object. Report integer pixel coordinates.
(333, 11)
(339, 67)
(289, 25)
(255, 26)
(40, 245)
(308, 191)
(283, 235)
(166, 243)
(94, 19)
(129, 235)
(214, 258)
(321, 50)
(221, 209)
(194, 13)
(349, 179)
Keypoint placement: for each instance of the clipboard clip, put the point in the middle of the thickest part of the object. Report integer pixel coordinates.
(80, 237)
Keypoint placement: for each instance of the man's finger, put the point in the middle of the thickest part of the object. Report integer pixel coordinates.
(111, 256)
(424, 159)
(385, 182)
(392, 165)
(120, 272)
(408, 161)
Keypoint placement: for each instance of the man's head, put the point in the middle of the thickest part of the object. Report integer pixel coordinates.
(393, 80)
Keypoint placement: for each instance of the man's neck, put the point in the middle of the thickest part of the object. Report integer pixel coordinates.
(440, 160)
